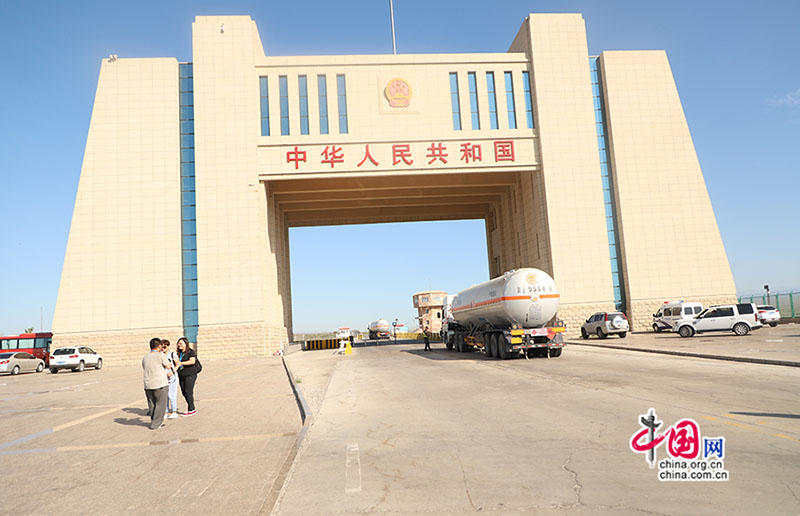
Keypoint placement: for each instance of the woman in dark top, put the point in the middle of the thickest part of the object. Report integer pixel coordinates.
(187, 374)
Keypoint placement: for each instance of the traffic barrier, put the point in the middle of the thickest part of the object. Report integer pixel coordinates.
(321, 344)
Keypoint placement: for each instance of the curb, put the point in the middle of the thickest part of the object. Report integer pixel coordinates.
(271, 501)
(763, 361)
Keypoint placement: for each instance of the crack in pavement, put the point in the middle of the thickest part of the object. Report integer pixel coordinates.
(466, 487)
(576, 486)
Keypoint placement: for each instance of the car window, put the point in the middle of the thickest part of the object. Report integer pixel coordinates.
(725, 312)
(25, 356)
(91, 351)
(766, 307)
(687, 310)
(64, 351)
(6, 355)
(698, 309)
(745, 308)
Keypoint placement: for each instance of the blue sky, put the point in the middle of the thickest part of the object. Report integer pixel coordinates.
(735, 64)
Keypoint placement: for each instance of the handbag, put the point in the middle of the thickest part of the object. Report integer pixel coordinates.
(198, 366)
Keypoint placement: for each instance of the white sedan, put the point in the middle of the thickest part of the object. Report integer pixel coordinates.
(76, 358)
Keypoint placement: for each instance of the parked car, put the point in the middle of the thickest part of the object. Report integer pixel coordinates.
(76, 358)
(670, 313)
(739, 318)
(604, 324)
(20, 362)
(768, 315)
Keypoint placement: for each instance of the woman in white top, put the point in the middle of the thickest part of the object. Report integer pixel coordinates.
(172, 393)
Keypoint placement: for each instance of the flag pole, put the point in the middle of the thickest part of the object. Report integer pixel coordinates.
(391, 15)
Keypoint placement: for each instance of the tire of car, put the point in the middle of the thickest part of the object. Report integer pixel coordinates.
(449, 344)
(741, 329)
(686, 331)
(555, 352)
(773, 324)
(80, 367)
(491, 346)
(53, 371)
(584, 335)
(15, 371)
(656, 328)
(99, 364)
(623, 334)
(40, 368)
(600, 334)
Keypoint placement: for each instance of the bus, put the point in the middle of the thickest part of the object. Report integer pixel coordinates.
(37, 344)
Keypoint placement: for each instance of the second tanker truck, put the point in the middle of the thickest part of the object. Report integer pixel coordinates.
(508, 316)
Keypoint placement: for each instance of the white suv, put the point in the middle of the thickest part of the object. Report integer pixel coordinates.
(76, 358)
(604, 324)
(768, 315)
(739, 318)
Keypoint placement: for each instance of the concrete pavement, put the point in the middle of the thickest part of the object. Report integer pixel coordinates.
(767, 345)
(77, 443)
(403, 431)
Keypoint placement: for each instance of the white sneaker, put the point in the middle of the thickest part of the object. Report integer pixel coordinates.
(173, 415)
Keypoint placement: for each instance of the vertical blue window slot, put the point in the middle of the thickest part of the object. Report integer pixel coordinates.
(322, 87)
(607, 183)
(473, 100)
(188, 208)
(341, 88)
(526, 84)
(492, 100)
(455, 101)
(510, 105)
(302, 82)
(264, 87)
(283, 87)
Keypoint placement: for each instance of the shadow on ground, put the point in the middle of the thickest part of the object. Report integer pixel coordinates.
(767, 414)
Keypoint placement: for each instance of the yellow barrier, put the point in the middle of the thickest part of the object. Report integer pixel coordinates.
(321, 344)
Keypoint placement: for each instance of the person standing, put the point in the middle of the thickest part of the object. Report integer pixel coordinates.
(155, 368)
(187, 374)
(427, 339)
(172, 392)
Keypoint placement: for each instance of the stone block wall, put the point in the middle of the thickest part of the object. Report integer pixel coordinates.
(641, 313)
(117, 347)
(239, 340)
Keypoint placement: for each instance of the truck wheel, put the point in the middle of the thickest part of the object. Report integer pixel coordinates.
(555, 352)
(502, 351)
(741, 329)
(449, 344)
(600, 334)
(686, 331)
(459, 343)
(584, 335)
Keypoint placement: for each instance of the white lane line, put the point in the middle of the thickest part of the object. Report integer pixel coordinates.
(352, 468)
(774, 340)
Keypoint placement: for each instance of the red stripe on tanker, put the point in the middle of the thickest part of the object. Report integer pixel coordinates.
(527, 297)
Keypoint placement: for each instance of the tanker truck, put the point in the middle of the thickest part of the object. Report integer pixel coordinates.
(508, 316)
(380, 329)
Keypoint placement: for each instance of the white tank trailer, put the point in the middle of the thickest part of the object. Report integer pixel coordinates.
(380, 329)
(508, 316)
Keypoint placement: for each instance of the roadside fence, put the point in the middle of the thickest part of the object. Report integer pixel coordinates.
(787, 303)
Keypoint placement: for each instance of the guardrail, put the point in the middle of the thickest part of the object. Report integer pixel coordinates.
(787, 303)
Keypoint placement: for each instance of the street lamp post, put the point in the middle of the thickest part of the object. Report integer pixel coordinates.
(394, 329)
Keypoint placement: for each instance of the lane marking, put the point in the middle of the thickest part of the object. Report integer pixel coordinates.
(744, 426)
(146, 444)
(352, 469)
(26, 438)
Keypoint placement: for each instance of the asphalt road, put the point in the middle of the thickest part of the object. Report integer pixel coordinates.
(397, 430)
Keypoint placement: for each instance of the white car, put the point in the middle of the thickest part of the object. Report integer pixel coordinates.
(739, 318)
(76, 358)
(768, 315)
(604, 324)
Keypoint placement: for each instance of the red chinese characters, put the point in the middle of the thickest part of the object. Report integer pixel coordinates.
(470, 151)
(332, 155)
(437, 152)
(295, 156)
(401, 152)
(683, 440)
(503, 150)
(368, 156)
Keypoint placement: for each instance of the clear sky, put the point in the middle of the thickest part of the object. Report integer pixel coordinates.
(735, 63)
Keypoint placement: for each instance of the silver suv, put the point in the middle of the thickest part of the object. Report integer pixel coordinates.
(739, 318)
(604, 324)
